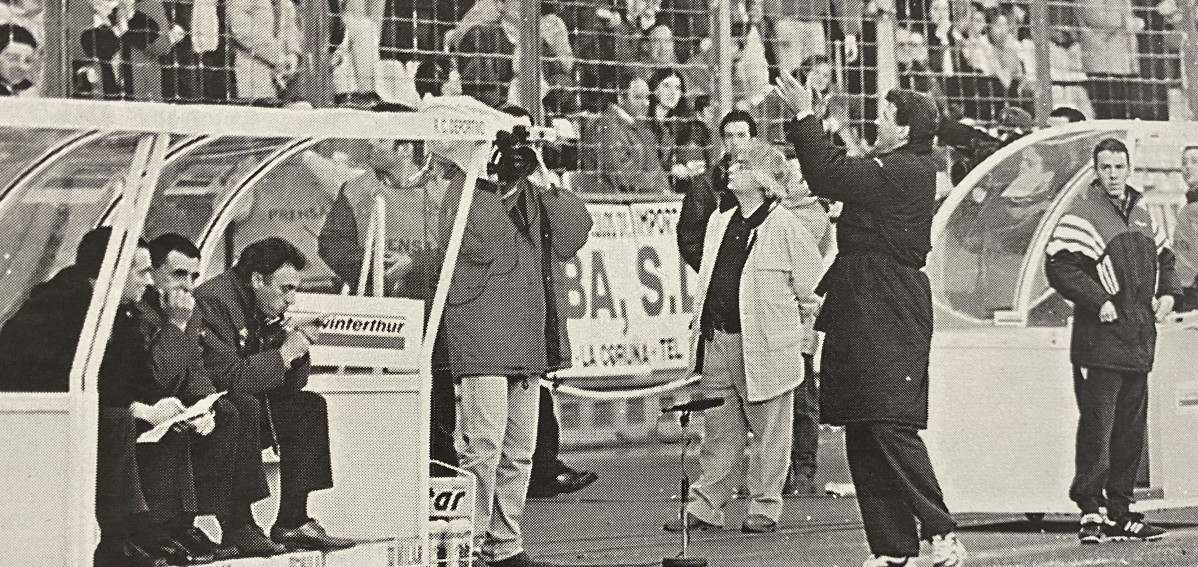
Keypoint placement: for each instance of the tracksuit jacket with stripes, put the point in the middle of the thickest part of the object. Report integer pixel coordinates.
(1098, 253)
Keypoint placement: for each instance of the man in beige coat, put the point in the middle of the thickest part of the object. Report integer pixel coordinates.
(759, 266)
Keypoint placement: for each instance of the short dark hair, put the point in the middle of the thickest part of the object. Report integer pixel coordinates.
(1111, 145)
(1189, 149)
(90, 252)
(739, 116)
(266, 256)
(163, 245)
(12, 33)
(1068, 113)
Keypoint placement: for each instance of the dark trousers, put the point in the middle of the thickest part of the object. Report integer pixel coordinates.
(118, 481)
(545, 466)
(895, 486)
(300, 421)
(805, 445)
(227, 463)
(166, 477)
(1113, 409)
(443, 421)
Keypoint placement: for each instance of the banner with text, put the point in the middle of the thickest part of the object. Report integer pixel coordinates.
(631, 296)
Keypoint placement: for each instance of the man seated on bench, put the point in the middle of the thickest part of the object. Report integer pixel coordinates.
(249, 348)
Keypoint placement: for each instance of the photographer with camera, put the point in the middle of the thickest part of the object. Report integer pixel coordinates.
(504, 330)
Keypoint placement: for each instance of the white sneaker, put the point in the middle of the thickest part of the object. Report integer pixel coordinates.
(884, 561)
(947, 551)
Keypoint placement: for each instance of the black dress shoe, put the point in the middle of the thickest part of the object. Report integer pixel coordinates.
(311, 536)
(161, 547)
(123, 554)
(201, 548)
(566, 482)
(249, 541)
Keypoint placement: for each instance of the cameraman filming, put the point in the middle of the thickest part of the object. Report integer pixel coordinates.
(504, 330)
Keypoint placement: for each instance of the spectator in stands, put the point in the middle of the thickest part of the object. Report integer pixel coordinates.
(738, 130)
(995, 53)
(18, 60)
(759, 263)
(123, 47)
(1185, 234)
(267, 47)
(606, 41)
(225, 446)
(505, 330)
(658, 50)
(249, 348)
(688, 20)
(488, 39)
(1107, 35)
(1062, 115)
(799, 29)
(670, 119)
(621, 148)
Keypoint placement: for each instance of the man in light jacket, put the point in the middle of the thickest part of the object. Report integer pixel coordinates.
(758, 264)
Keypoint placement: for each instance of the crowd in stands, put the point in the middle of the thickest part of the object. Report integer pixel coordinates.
(977, 58)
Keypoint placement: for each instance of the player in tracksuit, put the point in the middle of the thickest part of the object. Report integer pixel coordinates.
(1110, 259)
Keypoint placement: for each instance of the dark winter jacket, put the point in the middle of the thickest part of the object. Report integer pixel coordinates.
(37, 344)
(241, 348)
(149, 359)
(1098, 253)
(697, 206)
(497, 320)
(877, 312)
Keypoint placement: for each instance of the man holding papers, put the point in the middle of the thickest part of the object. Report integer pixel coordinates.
(127, 380)
(226, 461)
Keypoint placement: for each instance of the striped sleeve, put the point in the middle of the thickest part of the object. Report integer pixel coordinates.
(1159, 235)
(1076, 234)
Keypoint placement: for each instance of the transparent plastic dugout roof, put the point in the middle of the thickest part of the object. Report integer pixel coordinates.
(987, 260)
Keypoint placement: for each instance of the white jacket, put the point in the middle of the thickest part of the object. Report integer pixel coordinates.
(782, 270)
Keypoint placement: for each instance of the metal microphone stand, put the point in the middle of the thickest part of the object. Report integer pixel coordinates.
(684, 419)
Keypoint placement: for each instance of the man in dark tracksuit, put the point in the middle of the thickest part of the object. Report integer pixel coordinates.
(1110, 259)
(877, 320)
(247, 349)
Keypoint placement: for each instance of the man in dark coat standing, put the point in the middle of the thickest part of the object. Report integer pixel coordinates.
(248, 349)
(737, 129)
(877, 320)
(1110, 259)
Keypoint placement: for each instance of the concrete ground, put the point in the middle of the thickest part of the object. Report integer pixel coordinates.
(618, 521)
